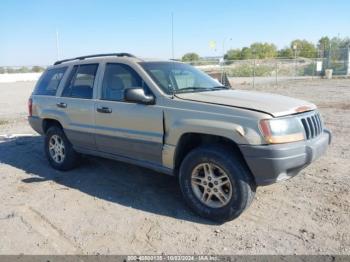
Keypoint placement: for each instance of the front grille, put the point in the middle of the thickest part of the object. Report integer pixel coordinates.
(312, 125)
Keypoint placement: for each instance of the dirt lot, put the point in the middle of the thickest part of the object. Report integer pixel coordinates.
(107, 207)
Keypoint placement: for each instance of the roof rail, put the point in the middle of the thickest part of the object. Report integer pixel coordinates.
(92, 56)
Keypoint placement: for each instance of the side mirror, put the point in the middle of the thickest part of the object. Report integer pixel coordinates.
(137, 94)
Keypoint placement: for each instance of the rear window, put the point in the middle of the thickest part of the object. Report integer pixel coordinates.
(50, 81)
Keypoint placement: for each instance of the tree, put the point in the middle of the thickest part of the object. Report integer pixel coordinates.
(263, 50)
(189, 57)
(304, 48)
(345, 43)
(338, 42)
(336, 48)
(255, 50)
(285, 53)
(324, 45)
(233, 54)
(246, 53)
(2, 70)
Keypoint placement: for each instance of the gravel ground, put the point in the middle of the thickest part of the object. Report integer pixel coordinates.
(107, 207)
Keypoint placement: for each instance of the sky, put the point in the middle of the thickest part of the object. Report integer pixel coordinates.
(28, 27)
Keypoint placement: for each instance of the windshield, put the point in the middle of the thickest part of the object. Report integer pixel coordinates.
(174, 77)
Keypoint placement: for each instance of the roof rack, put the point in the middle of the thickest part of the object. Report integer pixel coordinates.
(92, 56)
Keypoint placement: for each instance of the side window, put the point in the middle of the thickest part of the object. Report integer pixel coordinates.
(117, 78)
(69, 82)
(50, 81)
(80, 83)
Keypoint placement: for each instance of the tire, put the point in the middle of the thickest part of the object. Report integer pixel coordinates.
(68, 157)
(220, 206)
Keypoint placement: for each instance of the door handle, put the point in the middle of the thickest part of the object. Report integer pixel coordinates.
(104, 109)
(61, 105)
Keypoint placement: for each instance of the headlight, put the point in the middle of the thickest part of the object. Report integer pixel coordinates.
(282, 130)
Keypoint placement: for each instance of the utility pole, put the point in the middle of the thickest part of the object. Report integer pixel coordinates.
(348, 60)
(223, 61)
(254, 52)
(295, 48)
(223, 46)
(329, 56)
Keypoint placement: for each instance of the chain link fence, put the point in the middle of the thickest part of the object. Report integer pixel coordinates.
(273, 71)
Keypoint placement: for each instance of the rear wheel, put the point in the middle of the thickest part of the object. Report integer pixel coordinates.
(216, 183)
(59, 151)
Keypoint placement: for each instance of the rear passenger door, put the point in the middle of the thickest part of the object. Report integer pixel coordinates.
(77, 105)
(125, 128)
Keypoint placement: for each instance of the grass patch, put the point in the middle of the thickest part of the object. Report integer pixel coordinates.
(3, 122)
(247, 70)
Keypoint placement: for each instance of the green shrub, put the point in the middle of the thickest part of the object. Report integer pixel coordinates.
(3, 122)
(37, 69)
(23, 69)
(247, 70)
(309, 70)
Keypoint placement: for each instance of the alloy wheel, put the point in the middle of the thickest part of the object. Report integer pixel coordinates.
(211, 185)
(57, 149)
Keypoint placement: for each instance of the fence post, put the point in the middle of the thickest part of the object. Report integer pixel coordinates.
(254, 73)
(348, 60)
(222, 70)
(276, 69)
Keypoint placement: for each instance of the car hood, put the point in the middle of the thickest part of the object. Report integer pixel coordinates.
(275, 105)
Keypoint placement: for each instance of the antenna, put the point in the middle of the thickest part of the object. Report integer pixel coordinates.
(57, 45)
(172, 35)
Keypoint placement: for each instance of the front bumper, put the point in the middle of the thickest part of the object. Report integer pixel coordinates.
(274, 163)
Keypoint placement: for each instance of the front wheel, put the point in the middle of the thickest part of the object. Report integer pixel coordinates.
(59, 151)
(216, 183)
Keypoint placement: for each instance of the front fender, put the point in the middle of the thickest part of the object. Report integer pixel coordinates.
(233, 131)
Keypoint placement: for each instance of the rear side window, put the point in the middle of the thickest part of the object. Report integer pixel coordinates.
(50, 81)
(80, 83)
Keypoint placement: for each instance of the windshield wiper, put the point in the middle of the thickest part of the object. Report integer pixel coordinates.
(192, 88)
(220, 87)
(197, 88)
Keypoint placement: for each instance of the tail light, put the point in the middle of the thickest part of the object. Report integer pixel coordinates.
(30, 107)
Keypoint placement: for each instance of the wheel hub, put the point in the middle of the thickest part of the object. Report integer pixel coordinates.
(57, 149)
(211, 185)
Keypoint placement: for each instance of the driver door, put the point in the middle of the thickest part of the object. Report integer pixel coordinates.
(124, 128)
